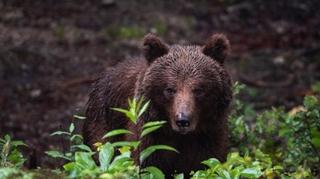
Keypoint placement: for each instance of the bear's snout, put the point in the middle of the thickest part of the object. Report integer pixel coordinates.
(183, 123)
(182, 115)
(182, 120)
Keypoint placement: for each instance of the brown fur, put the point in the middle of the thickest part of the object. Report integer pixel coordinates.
(202, 88)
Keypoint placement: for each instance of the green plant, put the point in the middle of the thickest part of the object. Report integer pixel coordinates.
(136, 109)
(115, 159)
(75, 140)
(235, 167)
(316, 87)
(11, 172)
(10, 153)
(301, 131)
(241, 121)
(291, 139)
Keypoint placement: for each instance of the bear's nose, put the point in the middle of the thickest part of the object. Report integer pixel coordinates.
(182, 120)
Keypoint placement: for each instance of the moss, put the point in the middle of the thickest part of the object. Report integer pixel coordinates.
(59, 32)
(125, 32)
(160, 27)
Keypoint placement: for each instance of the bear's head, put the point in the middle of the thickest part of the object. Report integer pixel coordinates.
(187, 85)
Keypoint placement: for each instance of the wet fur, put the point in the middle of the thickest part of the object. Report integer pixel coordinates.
(141, 77)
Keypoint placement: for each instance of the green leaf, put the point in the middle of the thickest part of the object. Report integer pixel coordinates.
(235, 172)
(129, 102)
(316, 87)
(124, 111)
(15, 173)
(154, 172)
(316, 142)
(133, 144)
(315, 132)
(17, 143)
(79, 117)
(232, 156)
(68, 154)
(5, 149)
(132, 103)
(179, 176)
(251, 173)
(151, 126)
(128, 114)
(117, 132)
(16, 158)
(105, 156)
(124, 149)
(144, 108)
(76, 136)
(71, 127)
(284, 132)
(83, 147)
(224, 174)
(212, 162)
(57, 154)
(149, 150)
(138, 104)
(153, 123)
(121, 161)
(310, 101)
(60, 133)
(7, 138)
(84, 159)
(69, 166)
(149, 130)
(277, 167)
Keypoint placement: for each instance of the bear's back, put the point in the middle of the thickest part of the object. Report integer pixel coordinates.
(112, 89)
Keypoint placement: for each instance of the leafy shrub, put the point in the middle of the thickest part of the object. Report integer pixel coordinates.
(239, 167)
(75, 140)
(291, 139)
(115, 159)
(10, 153)
(16, 173)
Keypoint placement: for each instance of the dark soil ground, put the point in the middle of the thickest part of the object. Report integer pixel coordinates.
(51, 51)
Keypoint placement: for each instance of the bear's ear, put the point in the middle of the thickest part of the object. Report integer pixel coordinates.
(217, 47)
(153, 47)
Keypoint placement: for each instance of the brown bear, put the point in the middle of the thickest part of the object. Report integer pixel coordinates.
(188, 86)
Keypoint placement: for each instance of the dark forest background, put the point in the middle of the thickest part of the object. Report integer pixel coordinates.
(52, 50)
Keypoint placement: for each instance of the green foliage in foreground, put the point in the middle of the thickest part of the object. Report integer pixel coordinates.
(291, 139)
(16, 173)
(270, 144)
(10, 155)
(115, 159)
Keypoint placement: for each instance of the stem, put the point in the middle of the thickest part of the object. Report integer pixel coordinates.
(139, 175)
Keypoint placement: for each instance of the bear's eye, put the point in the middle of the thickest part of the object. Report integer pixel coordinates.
(198, 92)
(169, 91)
